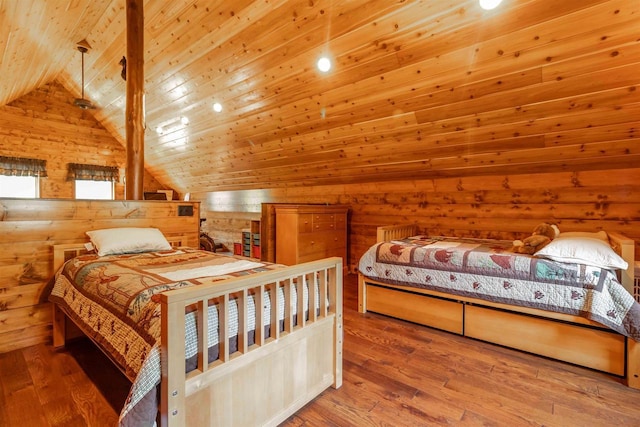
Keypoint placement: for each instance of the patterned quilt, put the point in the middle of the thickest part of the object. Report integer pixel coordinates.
(116, 300)
(488, 270)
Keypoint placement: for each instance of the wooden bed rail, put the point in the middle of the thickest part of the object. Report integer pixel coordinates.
(323, 277)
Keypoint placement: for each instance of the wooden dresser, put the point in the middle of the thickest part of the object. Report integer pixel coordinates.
(310, 232)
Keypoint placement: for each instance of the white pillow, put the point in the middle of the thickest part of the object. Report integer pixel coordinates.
(111, 241)
(602, 235)
(583, 250)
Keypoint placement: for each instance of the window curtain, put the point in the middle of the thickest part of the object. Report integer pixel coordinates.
(92, 172)
(19, 166)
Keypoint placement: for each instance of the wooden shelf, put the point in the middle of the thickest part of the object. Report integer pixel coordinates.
(251, 241)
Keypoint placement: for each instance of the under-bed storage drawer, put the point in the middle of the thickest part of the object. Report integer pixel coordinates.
(425, 310)
(594, 348)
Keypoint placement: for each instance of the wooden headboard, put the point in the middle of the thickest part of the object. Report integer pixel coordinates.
(63, 253)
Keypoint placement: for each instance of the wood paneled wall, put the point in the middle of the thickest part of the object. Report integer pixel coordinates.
(500, 206)
(44, 124)
(29, 228)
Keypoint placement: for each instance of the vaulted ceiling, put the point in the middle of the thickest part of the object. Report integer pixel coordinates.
(417, 89)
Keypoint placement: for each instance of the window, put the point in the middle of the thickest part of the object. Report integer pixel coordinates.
(93, 181)
(25, 187)
(100, 190)
(20, 177)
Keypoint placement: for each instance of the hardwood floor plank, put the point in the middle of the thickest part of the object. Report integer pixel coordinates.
(23, 411)
(15, 374)
(53, 374)
(44, 372)
(428, 407)
(4, 415)
(580, 415)
(89, 402)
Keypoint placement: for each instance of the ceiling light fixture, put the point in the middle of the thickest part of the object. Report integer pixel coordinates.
(159, 130)
(324, 64)
(184, 120)
(217, 107)
(489, 4)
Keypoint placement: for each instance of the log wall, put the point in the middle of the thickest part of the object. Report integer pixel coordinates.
(29, 228)
(44, 124)
(500, 206)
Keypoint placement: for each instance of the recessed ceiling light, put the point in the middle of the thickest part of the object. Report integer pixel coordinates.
(324, 64)
(217, 107)
(489, 4)
(184, 120)
(159, 130)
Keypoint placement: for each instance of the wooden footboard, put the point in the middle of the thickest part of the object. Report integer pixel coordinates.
(569, 338)
(259, 384)
(264, 383)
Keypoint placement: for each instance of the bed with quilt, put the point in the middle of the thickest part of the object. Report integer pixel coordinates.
(185, 326)
(571, 301)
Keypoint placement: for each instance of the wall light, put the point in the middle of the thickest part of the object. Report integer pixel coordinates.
(489, 4)
(217, 107)
(324, 64)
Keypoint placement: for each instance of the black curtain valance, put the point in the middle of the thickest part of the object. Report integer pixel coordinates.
(20, 166)
(92, 172)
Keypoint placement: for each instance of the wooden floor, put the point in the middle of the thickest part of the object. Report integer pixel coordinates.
(395, 374)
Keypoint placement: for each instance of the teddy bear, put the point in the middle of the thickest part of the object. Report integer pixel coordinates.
(541, 236)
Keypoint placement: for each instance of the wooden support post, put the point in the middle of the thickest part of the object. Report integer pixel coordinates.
(135, 120)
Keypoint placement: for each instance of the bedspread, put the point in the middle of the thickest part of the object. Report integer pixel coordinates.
(116, 300)
(488, 270)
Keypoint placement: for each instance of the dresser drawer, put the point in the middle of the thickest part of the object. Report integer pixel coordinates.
(320, 242)
(324, 221)
(327, 253)
(323, 226)
(308, 223)
(305, 223)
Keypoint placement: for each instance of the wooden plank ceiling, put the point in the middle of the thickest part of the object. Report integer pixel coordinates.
(418, 88)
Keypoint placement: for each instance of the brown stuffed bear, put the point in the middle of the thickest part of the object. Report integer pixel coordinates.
(541, 236)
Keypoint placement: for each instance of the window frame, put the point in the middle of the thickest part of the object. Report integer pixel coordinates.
(36, 183)
(75, 189)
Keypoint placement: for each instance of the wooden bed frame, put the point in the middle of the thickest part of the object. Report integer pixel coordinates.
(301, 361)
(560, 336)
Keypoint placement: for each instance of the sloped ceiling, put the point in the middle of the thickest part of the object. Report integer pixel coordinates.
(417, 89)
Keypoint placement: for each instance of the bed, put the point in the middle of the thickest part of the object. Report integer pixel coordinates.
(196, 347)
(389, 284)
